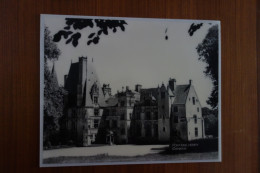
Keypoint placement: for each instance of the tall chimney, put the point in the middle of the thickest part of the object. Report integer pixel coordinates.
(65, 78)
(138, 88)
(172, 84)
(190, 82)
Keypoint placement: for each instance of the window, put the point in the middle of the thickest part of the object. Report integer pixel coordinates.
(96, 122)
(107, 123)
(164, 129)
(155, 130)
(106, 112)
(122, 103)
(196, 132)
(162, 106)
(74, 126)
(198, 109)
(138, 116)
(156, 115)
(193, 100)
(183, 119)
(123, 131)
(114, 124)
(148, 115)
(130, 116)
(162, 95)
(148, 129)
(95, 100)
(96, 112)
(175, 119)
(139, 130)
(175, 109)
(195, 119)
(122, 117)
(130, 102)
(113, 112)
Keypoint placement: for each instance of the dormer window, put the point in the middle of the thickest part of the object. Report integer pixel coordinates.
(95, 99)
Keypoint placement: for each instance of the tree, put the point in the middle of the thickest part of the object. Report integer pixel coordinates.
(51, 51)
(211, 121)
(53, 94)
(71, 35)
(208, 52)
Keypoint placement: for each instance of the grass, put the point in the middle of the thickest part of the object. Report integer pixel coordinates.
(149, 157)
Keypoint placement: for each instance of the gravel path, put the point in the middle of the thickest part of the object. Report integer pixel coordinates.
(114, 150)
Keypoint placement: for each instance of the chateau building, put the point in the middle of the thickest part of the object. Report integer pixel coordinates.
(166, 114)
(186, 122)
(117, 116)
(169, 113)
(84, 104)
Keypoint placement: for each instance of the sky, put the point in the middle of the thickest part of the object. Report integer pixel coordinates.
(140, 54)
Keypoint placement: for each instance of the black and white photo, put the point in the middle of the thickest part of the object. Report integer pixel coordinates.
(129, 91)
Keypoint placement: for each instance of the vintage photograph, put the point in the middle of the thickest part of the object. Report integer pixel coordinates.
(129, 91)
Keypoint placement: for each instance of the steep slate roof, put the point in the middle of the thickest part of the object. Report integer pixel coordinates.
(72, 79)
(90, 79)
(148, 91)
(110, 102)
(181, 94)
(54, 77)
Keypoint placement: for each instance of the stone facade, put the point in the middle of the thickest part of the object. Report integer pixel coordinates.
(84, 103)
(165, 114)
(187, 123)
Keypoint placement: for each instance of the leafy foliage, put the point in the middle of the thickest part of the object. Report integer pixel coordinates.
(51, 50)
(72, 25)
(53, 94)
(208, 53)
(211, 121)
(193, 28)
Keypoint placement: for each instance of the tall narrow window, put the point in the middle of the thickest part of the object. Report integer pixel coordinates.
(162, 95)
(123, 131)
(196, 132)
(114, 124)
(148, 115)
(96, 122)
(122, 117)
(95, 100)
(175, 119)
(96, 112)
(195, 119)
(198, 109)
(175, 108)
(193, 100)
(162, 106)
(107, 123)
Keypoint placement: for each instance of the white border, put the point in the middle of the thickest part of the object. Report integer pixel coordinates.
(122, 163)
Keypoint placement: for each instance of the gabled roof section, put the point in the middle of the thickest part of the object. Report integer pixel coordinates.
(181, 94)
(72, 79)
(110, 102)
(54, 76)
(148, 91)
